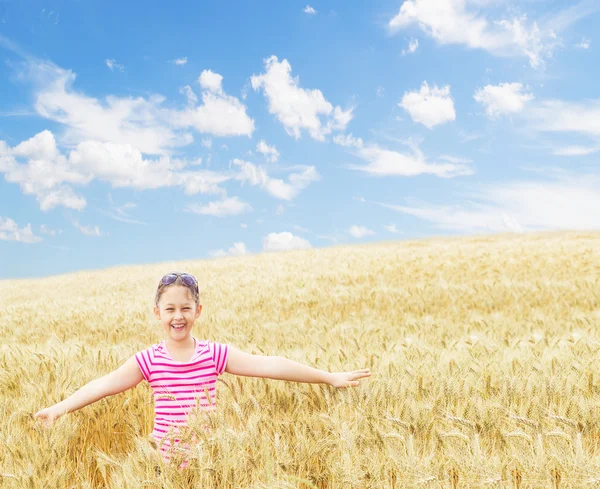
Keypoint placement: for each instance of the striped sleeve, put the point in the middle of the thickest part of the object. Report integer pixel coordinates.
(219, 352)
(143, 360)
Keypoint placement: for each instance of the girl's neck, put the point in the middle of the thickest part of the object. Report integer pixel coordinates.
(184, 344)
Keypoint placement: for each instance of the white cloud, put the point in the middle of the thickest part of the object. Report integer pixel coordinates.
(141, 122)
(207, 143)
(192, 98)
(211, 81)
(42, 146)
(232, 206)
(569, 202)
(307, 175)
(465, 22)
(284, 241)
(238, 249)
(560, 116)
(121, 213)
(392, 228)
(123, 166)
(380, 91)
(576, 150)
(49, 231)
(257, 176)
(89, 230)
(220, 114)
(113, 65)
(180, 61)
(309, 10)
(280, 210)
(383, 162)
(429, 106)
(298, 108)
(10, 231)
(270, 152)
(60, 196)
(46, 174)
(360, 231)
(49, 175)
(584, 44)
(505, 98)
(413, 45)
(244, 225)
(348, 140)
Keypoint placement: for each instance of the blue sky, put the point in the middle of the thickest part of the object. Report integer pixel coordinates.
(145, 132)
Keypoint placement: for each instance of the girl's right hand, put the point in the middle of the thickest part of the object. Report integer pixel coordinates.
(47, 416)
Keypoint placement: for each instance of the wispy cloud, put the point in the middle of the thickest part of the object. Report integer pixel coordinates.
(277, 187)
(49, 231)
(121, 213)
(568, 202)
(584, 44)
(10, 231)
(114, 66)
(231, 206)
(89, 230)
(309, 10)
(180, 61)
(270, 152)
(575, 150)
(381, 162)
(412, 47)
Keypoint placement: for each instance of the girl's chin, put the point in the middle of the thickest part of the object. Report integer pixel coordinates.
(179, 334)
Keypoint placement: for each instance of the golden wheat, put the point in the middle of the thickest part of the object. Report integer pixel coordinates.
(483, 351)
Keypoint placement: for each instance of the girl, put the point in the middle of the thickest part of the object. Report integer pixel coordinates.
(182, 370)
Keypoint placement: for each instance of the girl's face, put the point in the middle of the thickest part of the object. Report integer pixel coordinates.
(177, 312)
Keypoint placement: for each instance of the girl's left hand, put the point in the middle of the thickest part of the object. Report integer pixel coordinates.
(348, 379)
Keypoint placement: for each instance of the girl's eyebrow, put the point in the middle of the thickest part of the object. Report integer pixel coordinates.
(184, 304)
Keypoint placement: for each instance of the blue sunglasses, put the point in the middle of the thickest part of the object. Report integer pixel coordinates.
(187, 279)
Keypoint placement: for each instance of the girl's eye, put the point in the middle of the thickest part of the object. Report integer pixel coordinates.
(170, 309)
(186, 308)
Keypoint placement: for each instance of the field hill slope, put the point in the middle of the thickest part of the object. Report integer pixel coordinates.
(484, 352)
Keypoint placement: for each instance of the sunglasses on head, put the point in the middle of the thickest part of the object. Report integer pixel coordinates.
(186, 278)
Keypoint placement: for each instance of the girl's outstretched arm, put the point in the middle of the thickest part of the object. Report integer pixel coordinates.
(125, 377)
(279, 368)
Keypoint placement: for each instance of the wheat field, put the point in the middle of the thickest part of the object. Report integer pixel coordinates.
(484, 353)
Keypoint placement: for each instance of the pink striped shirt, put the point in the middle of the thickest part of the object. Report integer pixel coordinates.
(180, 387)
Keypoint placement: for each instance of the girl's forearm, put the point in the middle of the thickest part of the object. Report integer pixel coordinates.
(91, 392)
(286, 369)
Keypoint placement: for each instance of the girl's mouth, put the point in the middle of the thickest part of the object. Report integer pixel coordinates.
(178, 327)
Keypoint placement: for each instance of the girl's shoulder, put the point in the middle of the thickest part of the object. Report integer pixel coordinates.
(153, 349)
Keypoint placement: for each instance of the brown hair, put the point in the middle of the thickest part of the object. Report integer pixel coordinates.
(193, 289)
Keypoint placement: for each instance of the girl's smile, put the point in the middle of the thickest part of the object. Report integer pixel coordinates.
(177, 311)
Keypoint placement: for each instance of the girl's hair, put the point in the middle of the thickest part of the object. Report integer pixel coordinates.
(178, 281)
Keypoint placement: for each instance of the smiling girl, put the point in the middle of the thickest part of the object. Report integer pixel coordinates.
(183, 370)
